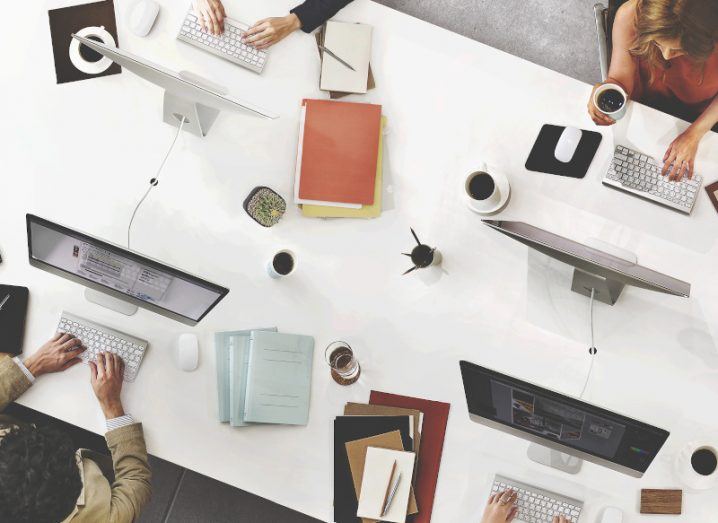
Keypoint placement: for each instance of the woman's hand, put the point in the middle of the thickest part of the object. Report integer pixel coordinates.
(210, 14)
(560, 519)
(58, 354)
(269, 31)
(679, 158)
(500, 507)
(596, 115)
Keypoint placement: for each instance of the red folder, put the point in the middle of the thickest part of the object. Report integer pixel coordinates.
(339, 151)
(436, 415)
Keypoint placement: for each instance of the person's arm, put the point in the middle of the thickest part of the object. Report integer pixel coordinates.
(16, 376)
(131, 490)
(307, 17)
(681, 153)
(622, 69)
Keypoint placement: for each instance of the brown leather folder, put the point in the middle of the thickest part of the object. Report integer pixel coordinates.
(436, 415)
(356, 452)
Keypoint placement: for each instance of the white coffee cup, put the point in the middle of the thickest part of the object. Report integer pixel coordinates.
(685, 470)
(482, 190)
(274, 272)
(618, 113)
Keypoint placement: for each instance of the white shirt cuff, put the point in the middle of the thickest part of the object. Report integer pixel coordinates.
(24, 370)
(116, 423)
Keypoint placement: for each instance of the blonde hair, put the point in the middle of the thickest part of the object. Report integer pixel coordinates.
(693, 22)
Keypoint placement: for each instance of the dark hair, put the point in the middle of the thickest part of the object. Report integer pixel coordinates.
(39, 477)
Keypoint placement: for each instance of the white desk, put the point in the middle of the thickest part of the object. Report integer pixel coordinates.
(82, 153)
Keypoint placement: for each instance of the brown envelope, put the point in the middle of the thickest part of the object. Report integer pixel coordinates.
(362, 409)
(356, 452)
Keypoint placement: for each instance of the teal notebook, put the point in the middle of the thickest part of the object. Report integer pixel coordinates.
(222, 359)
(279, 378)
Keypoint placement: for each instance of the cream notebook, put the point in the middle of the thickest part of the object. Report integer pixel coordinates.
(352, 43)
(377, 473)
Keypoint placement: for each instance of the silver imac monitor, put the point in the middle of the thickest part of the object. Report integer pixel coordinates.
(604, 272)
(563, 430)
(187, 95)
(117, 278)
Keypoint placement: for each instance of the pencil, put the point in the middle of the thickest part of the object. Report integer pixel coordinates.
(388, 488)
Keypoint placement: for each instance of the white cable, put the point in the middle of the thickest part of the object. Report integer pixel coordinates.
(592, 349)
(154, 181)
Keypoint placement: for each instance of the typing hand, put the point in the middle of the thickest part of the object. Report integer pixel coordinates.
(58, 354)
(561, 519)
(500, 507)
(596, 115)
(679, 158)
(269, 31)
(210, 14)
(106, 381)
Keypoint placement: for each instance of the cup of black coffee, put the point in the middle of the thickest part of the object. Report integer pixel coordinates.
(482, 191)
(281, 264)
(704, 461)
(611, 100)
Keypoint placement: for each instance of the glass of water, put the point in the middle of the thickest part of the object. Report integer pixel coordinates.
(341, 359)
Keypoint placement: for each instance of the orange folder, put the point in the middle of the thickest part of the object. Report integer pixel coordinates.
(340, 150)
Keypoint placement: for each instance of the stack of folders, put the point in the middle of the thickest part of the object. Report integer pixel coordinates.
(386, 459)
(263, 376)
(339, 160)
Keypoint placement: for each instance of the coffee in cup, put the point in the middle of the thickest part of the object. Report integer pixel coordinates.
(282, 264)
(704, 461)
(611, 100)
(482, 191)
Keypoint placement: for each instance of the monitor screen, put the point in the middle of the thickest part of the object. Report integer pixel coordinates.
(119, 272)
(560, 420)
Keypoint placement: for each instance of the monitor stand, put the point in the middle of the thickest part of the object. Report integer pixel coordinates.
(554, 459)
(107, 301)
(198, 118)
(605, 289)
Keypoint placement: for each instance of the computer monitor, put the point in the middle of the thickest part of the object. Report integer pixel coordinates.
(187, 95)
(117, 278)
(604, 272)
(563, 430)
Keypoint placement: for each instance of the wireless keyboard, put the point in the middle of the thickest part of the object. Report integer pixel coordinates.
(228, 45)
(640, 175)
(97, 338)
(538, 505)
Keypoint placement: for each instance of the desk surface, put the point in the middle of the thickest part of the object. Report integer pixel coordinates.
(82, 153)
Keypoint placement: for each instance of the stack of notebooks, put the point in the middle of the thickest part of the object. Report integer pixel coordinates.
(263, 376)
(339, 160)
(352, 43)
(369, 439)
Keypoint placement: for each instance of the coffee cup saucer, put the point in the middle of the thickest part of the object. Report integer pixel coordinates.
(504, 187)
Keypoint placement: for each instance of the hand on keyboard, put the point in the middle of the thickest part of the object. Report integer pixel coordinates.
(679, 158)
(106, 381)
(269, 31)
(210, 14)
(58, 354)
(500, 507)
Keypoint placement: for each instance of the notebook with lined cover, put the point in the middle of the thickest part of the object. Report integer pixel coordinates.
(279, 377)
(340, 147)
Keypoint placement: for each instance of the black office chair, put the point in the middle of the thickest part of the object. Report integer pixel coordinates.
(604, 29)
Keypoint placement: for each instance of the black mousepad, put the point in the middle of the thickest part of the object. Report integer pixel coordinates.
(68, 20)
(542, 159)
(12, 318)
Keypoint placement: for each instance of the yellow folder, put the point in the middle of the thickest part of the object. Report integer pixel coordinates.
(367, 211)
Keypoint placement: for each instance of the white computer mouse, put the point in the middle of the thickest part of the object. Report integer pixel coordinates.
(141, 16)
(187, 352)
(567, 144)
(611, 515)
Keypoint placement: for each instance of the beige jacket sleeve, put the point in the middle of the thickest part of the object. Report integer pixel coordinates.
(12, 382)
(131, 489)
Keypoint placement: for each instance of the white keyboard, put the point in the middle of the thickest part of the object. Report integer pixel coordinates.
(228, 45)
(97, 338)
(639, 174)
(538, 505)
